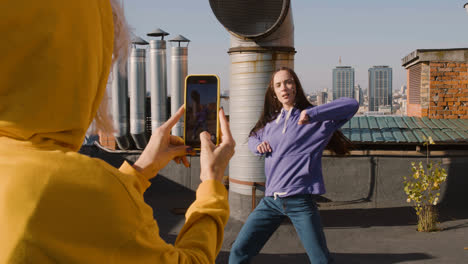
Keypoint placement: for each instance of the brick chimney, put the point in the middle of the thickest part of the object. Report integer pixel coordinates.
(437, 83)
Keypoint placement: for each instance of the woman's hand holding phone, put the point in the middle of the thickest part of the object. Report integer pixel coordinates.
(214, 159)
(162, 148)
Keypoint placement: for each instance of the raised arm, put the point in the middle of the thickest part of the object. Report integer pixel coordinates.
(340, 110)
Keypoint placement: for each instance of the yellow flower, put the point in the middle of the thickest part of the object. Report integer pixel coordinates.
(431, 141)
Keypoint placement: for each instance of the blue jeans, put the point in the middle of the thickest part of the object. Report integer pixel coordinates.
(267, 217)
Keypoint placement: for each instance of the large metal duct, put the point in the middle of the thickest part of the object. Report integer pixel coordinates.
(158, 78)
(179, 70)
(119, 95)
(262, 40)
(137, 93)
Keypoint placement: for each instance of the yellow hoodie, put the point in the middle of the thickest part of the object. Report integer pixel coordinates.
(57, 206)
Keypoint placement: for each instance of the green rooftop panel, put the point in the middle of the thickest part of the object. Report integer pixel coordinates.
(366, 135)
(355, 135)
(461, 123)
(354, 123)
(363, 122)
(400, 122)
(382, 123)
(409, 122)
(391, 122)
(397, 133)
(396, 129)
(377, 136)
(372, 122)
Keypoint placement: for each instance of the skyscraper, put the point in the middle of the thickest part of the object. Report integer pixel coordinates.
(358, 94)
(343, 82)
(380, 87)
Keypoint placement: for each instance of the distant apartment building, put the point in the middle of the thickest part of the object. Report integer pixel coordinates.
(437, 81)
(403, 89)
(322, 97)
(358, 94)
(312, 98)
(343, 82)
(379, 92)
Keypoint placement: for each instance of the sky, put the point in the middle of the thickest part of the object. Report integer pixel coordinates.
(363, 32)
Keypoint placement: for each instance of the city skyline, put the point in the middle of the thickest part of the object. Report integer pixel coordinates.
(364, 33)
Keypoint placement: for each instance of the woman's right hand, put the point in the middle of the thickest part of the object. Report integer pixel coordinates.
(264, 147)
(214, 159)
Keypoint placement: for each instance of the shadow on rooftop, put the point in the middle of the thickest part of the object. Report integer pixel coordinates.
(339, 258)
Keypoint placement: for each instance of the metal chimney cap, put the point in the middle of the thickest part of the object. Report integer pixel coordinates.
(179, 38)
(139, 41)
(157, 33)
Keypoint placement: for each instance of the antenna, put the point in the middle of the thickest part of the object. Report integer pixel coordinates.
(340, 61)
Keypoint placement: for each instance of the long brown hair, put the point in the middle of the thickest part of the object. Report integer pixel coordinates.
(338, 144)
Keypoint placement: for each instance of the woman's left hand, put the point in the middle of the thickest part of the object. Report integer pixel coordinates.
(303, 118)
(162, 148)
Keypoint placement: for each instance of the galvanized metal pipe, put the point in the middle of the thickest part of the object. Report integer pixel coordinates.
(250, 76)
(119, 95)
(137, 94)
(179, 69)
(158, 83)
(262, 40)
(252, 64)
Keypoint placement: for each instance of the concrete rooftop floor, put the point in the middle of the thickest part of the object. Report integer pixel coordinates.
(353, 235)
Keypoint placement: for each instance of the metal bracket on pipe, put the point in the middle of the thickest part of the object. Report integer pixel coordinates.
(254, 188)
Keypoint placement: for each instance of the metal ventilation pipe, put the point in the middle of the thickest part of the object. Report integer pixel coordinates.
(158, 78)
(179, 69)
(137, 94)
(262, 40)
(119, 107)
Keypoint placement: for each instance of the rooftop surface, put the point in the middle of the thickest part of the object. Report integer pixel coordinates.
(405, 129)
(377, 236)
(354, 234)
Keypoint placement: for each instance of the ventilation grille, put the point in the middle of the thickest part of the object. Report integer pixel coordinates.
(414, 89)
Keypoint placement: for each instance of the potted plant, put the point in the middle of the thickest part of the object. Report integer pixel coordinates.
(423, 189)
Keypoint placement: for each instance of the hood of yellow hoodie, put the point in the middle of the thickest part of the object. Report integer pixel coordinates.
(56, 58)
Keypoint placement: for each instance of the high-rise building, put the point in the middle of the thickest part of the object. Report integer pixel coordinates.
(380, 88)
(343, 82)
(403, 90)
(322, 97)
(358, 94)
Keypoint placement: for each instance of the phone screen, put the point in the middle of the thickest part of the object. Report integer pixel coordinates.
(201, 108)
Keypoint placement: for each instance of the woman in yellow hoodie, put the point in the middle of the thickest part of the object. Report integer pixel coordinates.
(57, 206)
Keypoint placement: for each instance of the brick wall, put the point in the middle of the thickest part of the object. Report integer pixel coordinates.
(448, 96)
(413, 110)
(425, 88)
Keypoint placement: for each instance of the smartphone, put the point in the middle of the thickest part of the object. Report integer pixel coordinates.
(201, 109)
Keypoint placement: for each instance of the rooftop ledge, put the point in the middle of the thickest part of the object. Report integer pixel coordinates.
(428, 55)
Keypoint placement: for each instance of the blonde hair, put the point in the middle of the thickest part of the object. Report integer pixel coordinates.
(120, 54)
